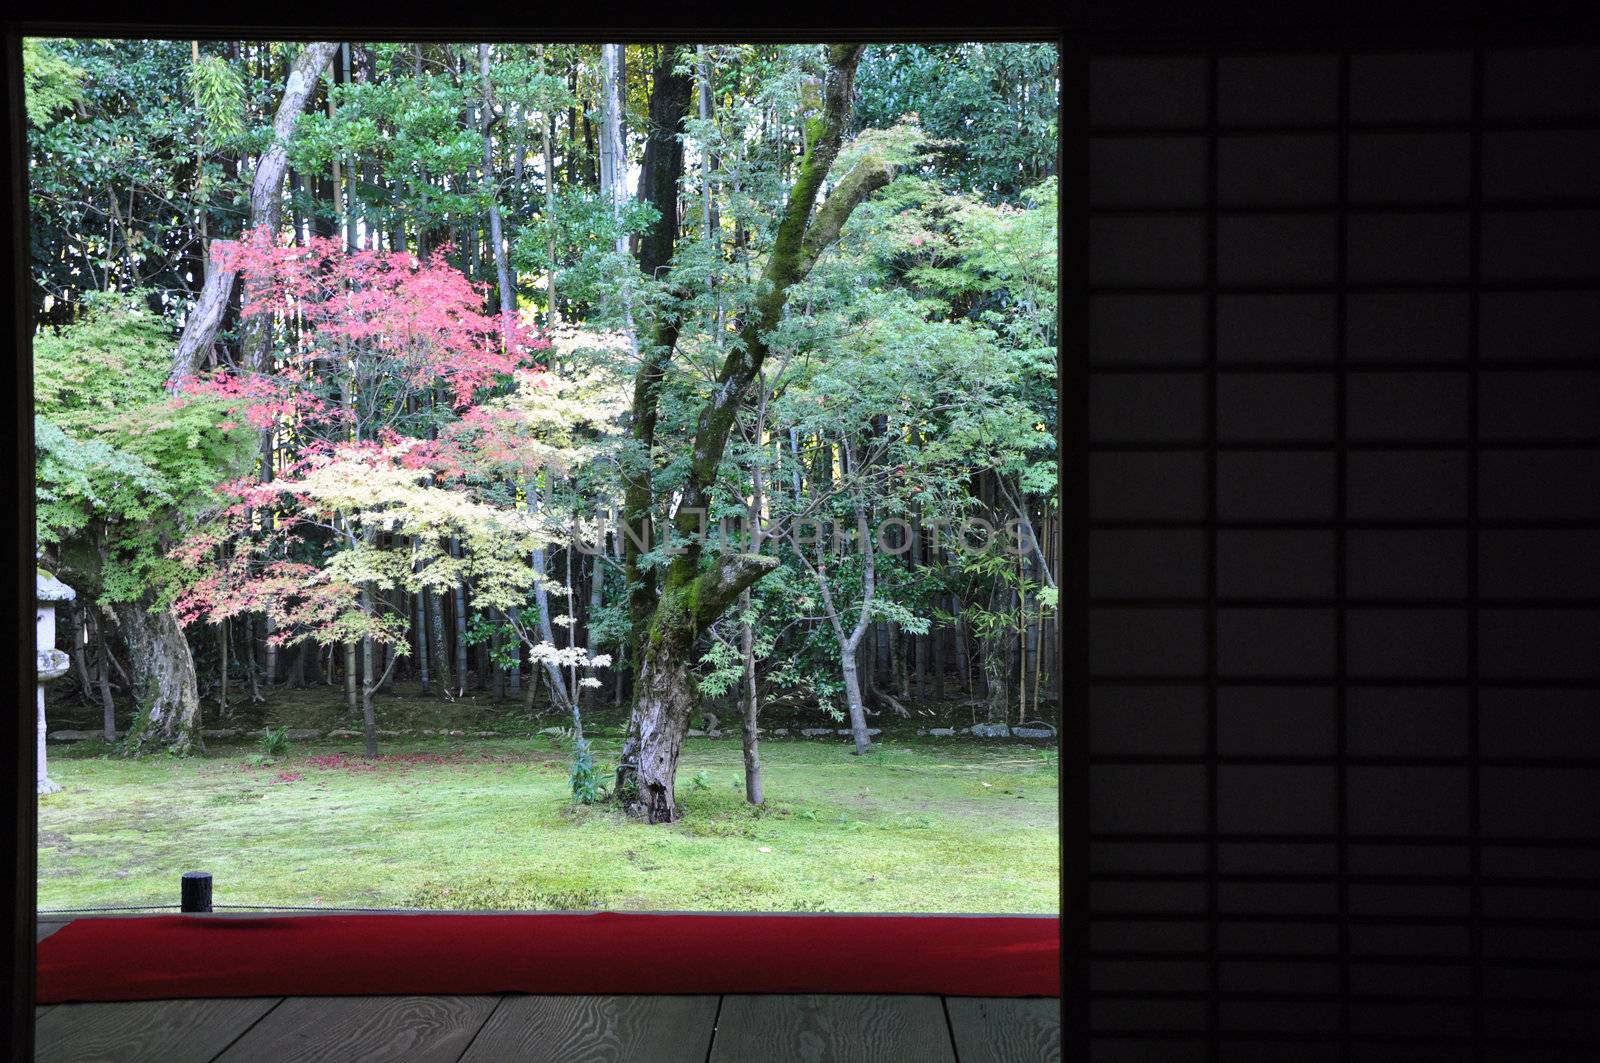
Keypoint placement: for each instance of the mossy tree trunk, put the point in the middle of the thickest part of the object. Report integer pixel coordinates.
(672, 609)
(664, 696)
(166, 694)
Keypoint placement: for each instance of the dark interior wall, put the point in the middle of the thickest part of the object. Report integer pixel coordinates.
(1344, 551)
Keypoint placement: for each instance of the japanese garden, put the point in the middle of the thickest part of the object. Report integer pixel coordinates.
(546, 476)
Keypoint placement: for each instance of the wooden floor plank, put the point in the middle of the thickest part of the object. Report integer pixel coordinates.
(368, 1029)
(1006, 1029)
(145, 1031)
(597, 1029)
(39, 1011)
(831, 1029)
(46, 929)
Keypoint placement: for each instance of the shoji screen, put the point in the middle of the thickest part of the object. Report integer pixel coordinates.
(1344, 546)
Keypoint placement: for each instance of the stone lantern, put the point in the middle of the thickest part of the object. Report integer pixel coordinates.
(51, 662)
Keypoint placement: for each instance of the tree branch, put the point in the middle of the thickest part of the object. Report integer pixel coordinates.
(821, 578)
(782, 270)
(716, 588)
(828, 132)
(868, 175)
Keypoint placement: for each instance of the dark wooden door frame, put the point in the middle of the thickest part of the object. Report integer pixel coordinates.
(1091, 28)
(17, 803)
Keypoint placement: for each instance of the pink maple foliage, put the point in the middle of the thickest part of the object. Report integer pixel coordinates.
(368, 319)
(370, 353)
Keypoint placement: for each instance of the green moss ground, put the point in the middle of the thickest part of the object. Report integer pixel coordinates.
(921, 826)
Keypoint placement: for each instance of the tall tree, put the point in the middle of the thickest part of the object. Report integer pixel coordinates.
(659, 175)
(508, 296)
(613, 153)
(687, 596)
(614, 157)
(122, 470)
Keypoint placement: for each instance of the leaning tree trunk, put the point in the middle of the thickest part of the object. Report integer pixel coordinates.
(266, 205)
(166, 695)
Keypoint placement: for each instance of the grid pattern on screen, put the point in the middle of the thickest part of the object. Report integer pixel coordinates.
(1344, 555)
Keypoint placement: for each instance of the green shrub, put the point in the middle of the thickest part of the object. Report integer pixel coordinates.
(585, 782)
(275, 742)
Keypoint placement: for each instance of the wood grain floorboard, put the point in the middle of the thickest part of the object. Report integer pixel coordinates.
(364, 1029)
(1006, 1029)
(597, 1029)
(145, 1031)
(831, 1029)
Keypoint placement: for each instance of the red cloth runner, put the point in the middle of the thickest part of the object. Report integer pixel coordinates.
(153, 957)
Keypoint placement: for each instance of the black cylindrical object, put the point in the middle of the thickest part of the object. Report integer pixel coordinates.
(196, 891)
